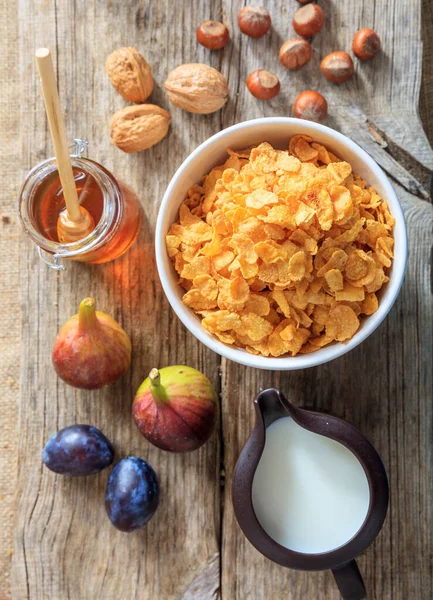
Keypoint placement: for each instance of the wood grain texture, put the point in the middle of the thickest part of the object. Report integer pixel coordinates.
(384, 386)
(65, 547)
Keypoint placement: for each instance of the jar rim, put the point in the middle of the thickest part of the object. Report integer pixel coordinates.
(110, 192)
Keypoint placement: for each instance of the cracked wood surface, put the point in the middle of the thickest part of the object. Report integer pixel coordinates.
(193, 549)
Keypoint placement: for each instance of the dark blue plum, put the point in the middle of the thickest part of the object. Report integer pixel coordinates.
(78, 450)
(132, 494)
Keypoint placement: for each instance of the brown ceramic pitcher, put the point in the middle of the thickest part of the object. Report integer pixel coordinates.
(271, 405)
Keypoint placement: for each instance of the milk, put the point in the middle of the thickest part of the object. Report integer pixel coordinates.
(310, 493)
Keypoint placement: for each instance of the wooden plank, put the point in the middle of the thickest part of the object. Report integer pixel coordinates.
(65, 546)
(383, 387)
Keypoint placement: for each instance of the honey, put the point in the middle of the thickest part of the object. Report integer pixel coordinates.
(115, 209)
(49, 201)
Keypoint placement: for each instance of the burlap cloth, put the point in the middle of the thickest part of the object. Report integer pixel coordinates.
(10, 148)
(10, 170)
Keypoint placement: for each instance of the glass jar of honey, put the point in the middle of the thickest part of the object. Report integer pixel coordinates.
(115, 209)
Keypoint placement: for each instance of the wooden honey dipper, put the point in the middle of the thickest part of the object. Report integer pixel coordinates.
(74, 222)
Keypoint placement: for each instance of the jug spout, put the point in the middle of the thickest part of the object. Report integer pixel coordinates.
(270, 406)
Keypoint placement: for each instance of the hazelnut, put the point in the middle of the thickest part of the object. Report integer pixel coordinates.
(254, 21)
(136, 128)
(213, 35)
(197, 88)
(308, 20)
(337, 66)
(366, 44)
(295, 53)
(263, 84)
(130, 74)
(310, 105)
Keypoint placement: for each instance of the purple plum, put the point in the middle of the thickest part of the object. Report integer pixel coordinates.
(78, 450)
(132, 494)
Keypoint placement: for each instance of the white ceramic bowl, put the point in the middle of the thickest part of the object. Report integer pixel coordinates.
(276, 131)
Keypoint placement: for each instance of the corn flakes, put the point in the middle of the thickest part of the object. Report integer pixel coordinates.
(282, 252)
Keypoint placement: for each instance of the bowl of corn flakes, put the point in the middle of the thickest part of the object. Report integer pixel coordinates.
(280, 244)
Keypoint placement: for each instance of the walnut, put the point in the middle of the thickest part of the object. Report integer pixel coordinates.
(136, 128)
(197, 88)
(130, 74)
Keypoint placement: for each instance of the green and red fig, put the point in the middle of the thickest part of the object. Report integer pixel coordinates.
(91, 349)
(175, 408)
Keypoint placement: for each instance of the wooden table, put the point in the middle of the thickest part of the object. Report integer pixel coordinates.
(65, 547)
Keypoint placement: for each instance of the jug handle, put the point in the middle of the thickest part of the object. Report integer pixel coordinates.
(349, 581)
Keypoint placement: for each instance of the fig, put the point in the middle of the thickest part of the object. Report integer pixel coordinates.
(78, 450)
(132, 494)
(91, 349)
(175, 408)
